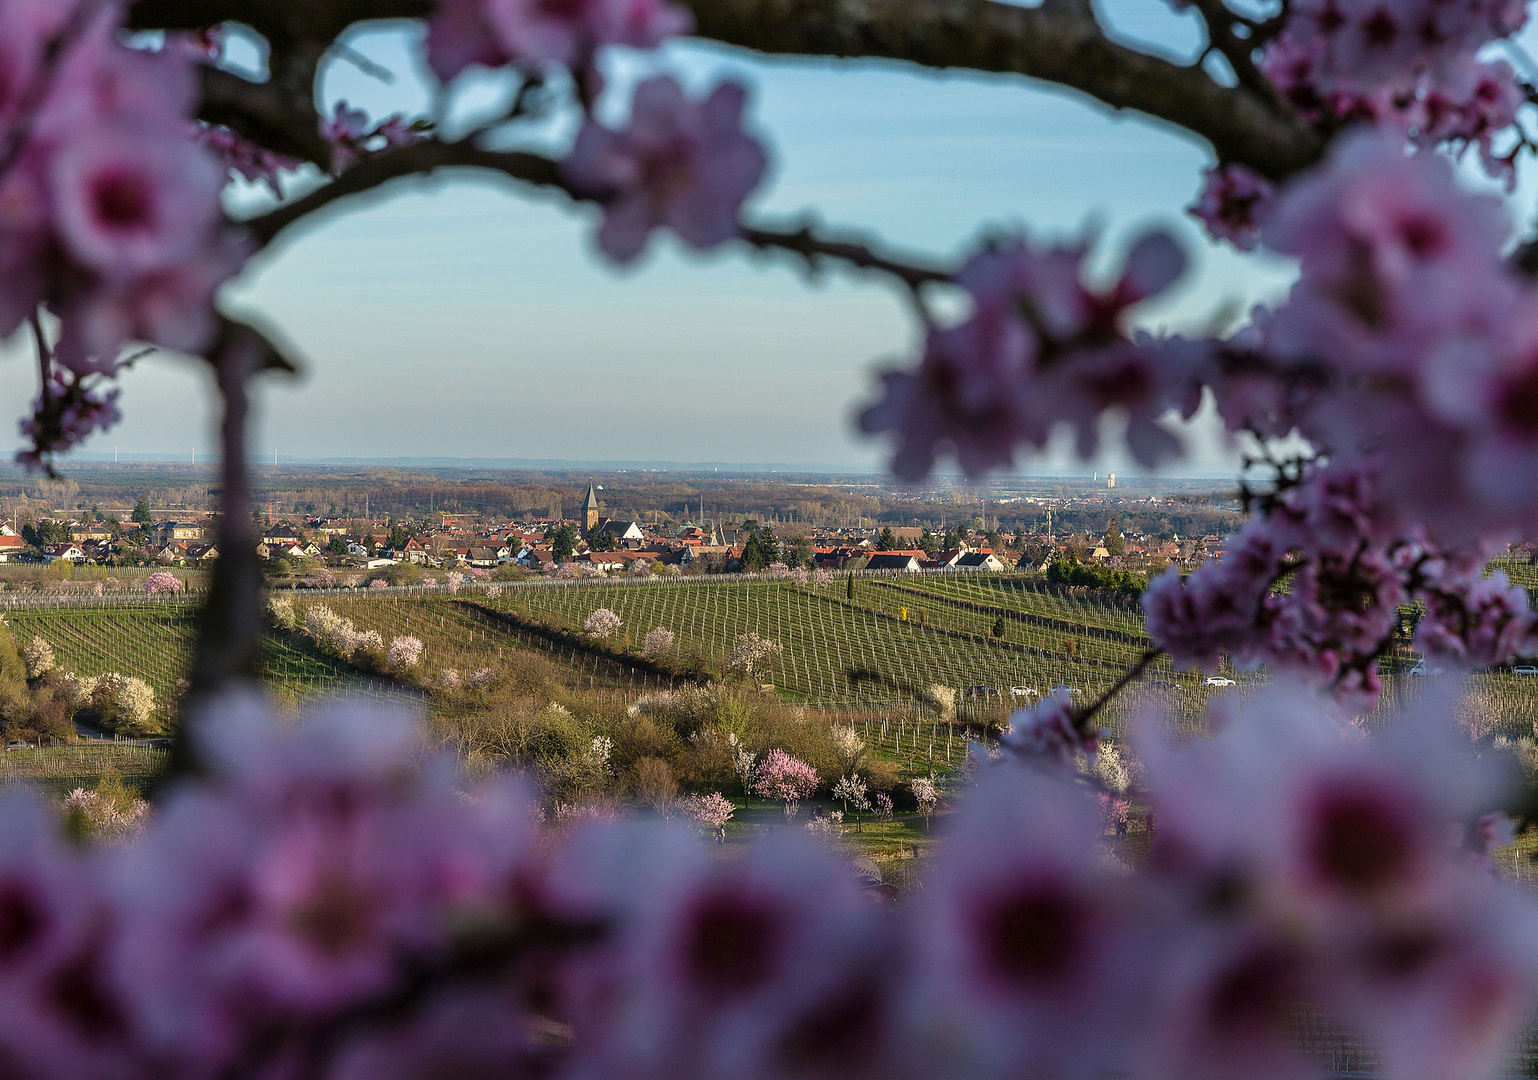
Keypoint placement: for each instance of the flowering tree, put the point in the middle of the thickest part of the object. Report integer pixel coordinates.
(927, 794)
(658, 641)
(744, 763)
(850, 790)
(162, 582)
(405, 653)
(37, 656)
(601, 623)
(784, 779)
(750, 653)
(711, 812)
(1404, 361)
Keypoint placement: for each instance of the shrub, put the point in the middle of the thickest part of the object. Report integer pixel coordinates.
(12, 667)
(656, 785)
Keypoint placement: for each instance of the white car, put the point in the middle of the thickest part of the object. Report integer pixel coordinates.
(1218, 680)
(1421, 668)
(1525, 669)
(1022, 691)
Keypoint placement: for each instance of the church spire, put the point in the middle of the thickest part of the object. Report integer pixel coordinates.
(590, 509)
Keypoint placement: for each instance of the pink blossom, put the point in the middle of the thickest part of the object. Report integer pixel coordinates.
(1049, 729)
(301, 882)
(1343, 879)
(1026, 960)
(60, 1014)
(680, 164)
(1363, 43)
(127, 208)
(72, 413)
(538, 34)
(1231, 201)
(110, 213)
(784, 778)
(246, 159)
(162, 581)
(1038, 349)
(765, 966)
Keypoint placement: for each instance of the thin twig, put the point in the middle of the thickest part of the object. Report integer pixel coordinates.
(431, 155)
(1083, 716)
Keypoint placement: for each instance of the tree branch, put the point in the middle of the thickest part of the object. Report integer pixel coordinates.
(264, 114)
(427, 157)
(1058, 41)
(229, 638)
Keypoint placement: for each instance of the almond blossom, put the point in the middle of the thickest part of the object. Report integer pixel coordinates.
(1038, 350)
(681, 164)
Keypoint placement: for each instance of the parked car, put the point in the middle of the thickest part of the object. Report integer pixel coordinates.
(1525, 669)
(1218, 680)
(1022, 691)
(984, 692)
(1421, 668)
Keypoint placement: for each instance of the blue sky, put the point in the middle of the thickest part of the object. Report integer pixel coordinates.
(461, 317)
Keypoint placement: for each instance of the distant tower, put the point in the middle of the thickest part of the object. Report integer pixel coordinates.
(1110, 480)
(590, 509)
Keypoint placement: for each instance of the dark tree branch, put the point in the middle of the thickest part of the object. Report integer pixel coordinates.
(273, 18)
(427, 157)
(1083, 716)
(229, 639)
(1238, 51)
(264, 114)
(1059, 41)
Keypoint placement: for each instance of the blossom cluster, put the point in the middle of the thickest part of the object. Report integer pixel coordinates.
(1040, 349)
(338, 636)
(1314, 586)
(405, 652)
(112, 217)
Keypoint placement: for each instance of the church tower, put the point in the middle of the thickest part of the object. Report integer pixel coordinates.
(590, 509)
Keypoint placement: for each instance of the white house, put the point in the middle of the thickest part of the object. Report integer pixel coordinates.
(978, 560)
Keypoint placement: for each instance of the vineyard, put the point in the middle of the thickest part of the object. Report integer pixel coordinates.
(866, 650)
(153, 640)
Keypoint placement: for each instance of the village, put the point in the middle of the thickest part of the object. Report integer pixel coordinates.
(398, 548)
